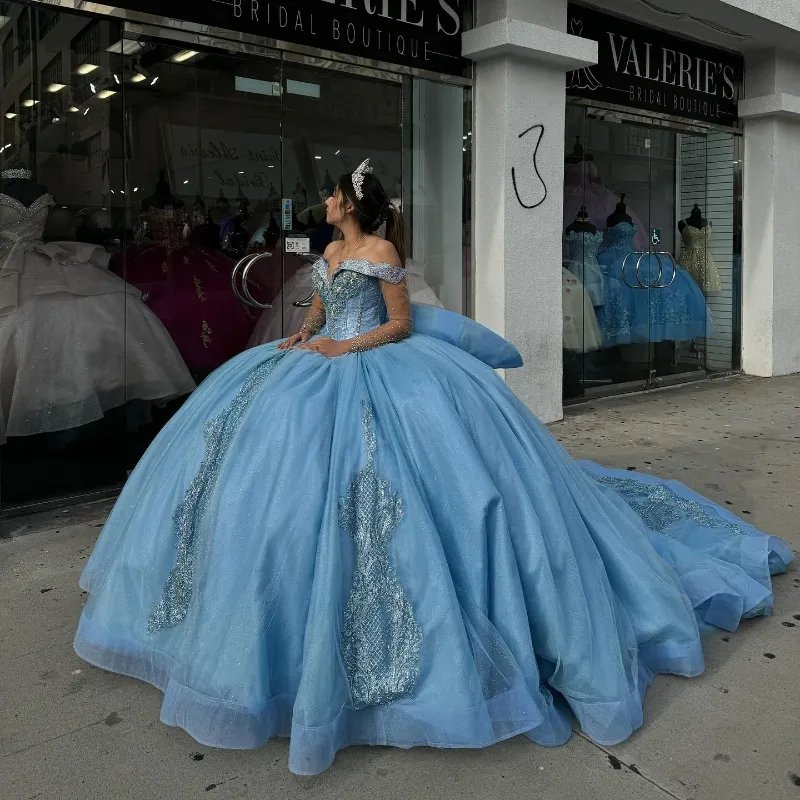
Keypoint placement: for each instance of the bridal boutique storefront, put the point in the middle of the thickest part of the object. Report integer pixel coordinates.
(652, 210)
(635, 175)
(163, 193)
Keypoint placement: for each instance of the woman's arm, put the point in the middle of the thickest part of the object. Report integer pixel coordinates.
(397, 328)
(315, 318)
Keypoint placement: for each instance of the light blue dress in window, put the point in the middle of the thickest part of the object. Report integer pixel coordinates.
(388, 548)
(677, 312)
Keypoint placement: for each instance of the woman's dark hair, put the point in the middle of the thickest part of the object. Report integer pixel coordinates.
(374, 209)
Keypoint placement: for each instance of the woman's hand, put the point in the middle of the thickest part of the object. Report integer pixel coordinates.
(303, 336)
(329, 348)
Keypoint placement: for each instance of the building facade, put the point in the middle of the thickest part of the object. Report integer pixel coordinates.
(653, 153)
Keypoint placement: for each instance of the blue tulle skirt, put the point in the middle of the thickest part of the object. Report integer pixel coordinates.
(388, 548)
(675, 312)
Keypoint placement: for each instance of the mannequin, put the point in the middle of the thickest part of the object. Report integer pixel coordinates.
(695, 219)
(581, 223)
(582, 241)
(235, 237)
(17, 182)
(577, 154)
(162, 198)
(620, 214)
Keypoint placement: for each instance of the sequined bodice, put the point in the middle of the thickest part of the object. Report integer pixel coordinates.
(620, 237)
(583, 247)
(352, 296)
(695, 238)
(165, 226)
(22, 225)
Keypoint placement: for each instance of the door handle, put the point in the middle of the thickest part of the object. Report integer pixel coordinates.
(243, 295)
(658, 283)
(304, 303)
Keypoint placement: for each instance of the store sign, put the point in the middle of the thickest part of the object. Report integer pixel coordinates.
(649, 69)
(417, 33)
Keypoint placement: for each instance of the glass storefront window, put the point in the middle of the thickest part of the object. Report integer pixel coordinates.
(170, 189)
(651, 258)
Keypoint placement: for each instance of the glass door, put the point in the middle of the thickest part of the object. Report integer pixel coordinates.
(189, 187)
(633, 316)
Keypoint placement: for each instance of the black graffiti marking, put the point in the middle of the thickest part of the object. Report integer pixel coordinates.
(529, 206)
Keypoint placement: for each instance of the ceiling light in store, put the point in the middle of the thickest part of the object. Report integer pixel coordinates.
(319, 158)
(185, 182)
(93, 88)
(138, 77)
(86, 111)
(116, 79)
(73, 109)
(253, 86)
(302, 88)
(337, 152)
(87, 68)
(11, 114)
(127, 47)
(184, 55)
(106, 93)
(135, 188)
(154, 81)
(56, 87)
(30, 103)
(56, 119)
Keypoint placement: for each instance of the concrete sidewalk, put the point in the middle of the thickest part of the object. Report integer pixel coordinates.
(70, 731)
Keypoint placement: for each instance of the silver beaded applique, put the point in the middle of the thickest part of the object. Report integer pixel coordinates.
(381, 639)
(218, 432)
(11, 174)
(660, 508)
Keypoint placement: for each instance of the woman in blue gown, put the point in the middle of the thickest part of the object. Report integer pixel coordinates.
(361, 536)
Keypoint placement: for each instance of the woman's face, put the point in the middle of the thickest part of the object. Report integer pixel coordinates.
(334, 208)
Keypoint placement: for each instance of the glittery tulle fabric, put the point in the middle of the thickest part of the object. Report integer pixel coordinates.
(645, 312)
(388, 548)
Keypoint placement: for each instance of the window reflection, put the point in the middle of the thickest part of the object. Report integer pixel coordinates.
(155, 170)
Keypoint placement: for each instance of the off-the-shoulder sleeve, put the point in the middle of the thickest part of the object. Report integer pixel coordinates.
(398, 308)
(384, 272)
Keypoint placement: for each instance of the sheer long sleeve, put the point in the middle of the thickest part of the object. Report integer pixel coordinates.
(315, 318)
(399, 324)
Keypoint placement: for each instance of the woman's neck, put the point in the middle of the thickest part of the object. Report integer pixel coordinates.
(352, 235)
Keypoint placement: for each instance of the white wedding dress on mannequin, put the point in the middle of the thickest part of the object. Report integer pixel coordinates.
(75, 339)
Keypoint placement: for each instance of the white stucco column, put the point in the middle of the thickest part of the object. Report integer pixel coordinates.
(770, 284)
(522, 56)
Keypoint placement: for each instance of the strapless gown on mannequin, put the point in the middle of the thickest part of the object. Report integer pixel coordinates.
(75, 340)
(188, 286)
(675, 313)
(285, 318)
(696, 257)
(388, 548)
(583, 247)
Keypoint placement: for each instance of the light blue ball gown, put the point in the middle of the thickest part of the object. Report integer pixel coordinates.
(388, 548)
(676, 312)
